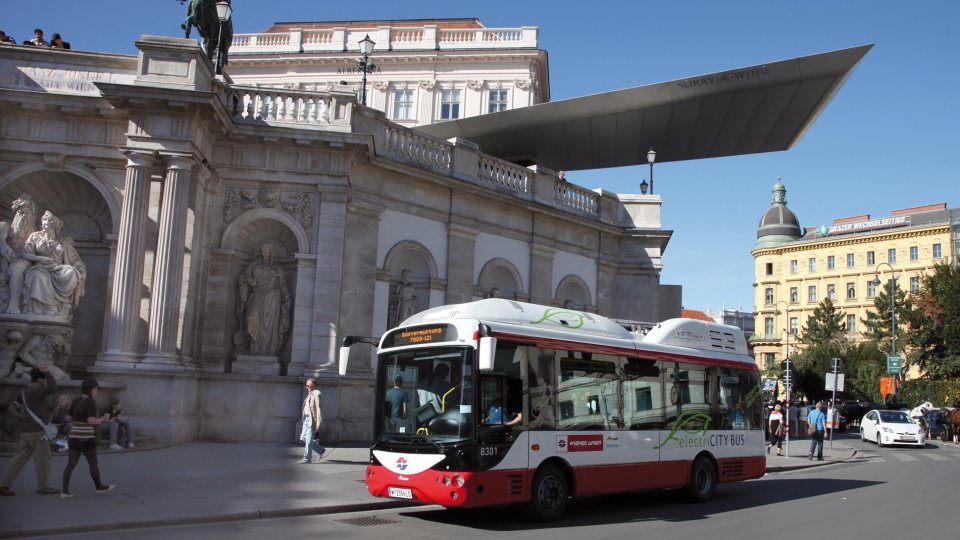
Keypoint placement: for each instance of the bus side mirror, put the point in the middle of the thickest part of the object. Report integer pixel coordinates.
(344, 358)
(488, 348)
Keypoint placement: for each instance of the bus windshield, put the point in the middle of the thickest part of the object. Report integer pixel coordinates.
(425, 393)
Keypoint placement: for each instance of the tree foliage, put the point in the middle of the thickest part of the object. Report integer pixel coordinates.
(824, 335)
(824, 326)
(933, 323)
(877, 325)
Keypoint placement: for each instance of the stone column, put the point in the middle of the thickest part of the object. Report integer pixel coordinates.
(461, 254)
(124, 317)
(168, 269)
(541, 275)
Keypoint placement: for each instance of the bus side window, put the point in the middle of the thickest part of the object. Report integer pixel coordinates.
(642, 394)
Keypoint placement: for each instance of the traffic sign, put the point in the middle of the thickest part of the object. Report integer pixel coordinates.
(836, 363)
(894, 364)
(828, 385)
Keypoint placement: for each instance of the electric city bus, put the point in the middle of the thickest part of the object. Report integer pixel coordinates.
(499, 402)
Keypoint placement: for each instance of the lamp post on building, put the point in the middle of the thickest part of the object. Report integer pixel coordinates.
(893, 370)
(788, 374)
(643, 187)
(224, 12)
(364, 65)
(651, 157)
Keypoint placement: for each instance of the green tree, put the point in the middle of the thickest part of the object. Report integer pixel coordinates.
(877, 324)
(934, 324)
(863, 365)
(824, 326)
(824, 335)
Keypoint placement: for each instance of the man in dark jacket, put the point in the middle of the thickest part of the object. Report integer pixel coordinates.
(33, 442)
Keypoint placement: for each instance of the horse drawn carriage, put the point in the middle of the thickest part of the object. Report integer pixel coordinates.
(942, 423)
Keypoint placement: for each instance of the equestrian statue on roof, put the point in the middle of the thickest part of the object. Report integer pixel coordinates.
(215, 35)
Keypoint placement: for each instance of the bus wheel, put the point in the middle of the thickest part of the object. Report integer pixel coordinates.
(703, 480)
(549, 494)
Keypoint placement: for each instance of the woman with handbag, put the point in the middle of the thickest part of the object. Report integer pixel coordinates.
(776, 426)
(83, 438)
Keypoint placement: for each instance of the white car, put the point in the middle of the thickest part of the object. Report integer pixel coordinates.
(891, 427)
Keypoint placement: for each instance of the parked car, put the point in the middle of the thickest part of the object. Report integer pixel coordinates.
(891, 427)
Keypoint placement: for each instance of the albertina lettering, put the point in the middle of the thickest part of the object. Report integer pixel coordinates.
(719, 78)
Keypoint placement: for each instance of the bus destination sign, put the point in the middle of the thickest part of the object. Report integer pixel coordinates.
(420, 335)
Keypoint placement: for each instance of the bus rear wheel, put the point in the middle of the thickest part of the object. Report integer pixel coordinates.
(703, 480)
(549, 494)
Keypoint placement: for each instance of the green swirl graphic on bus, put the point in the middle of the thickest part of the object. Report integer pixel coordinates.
(562, 317)
(685, 419)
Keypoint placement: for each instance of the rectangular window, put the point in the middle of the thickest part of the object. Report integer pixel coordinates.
(770, 269)
(832, 292)
(498, 101)
(769, 360)
(643, 394)
(793, 325)
(891, 255)
(587, 393)
(812, 294)
(937, 251)
(768, 327)
(793, 266)
(914, 253)
(812, 264)
(449, 104)
(794, 295)
(851, 324)
(403, 105)
(768, 296)
(831, 262)
(871, 289)
(849, 260)
(871, 258)
(851, 291)
(914, 284)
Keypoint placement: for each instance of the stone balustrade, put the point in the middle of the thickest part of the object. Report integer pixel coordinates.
(503, 174)
(290, 108)
(387, 38)
(408, 146)
(576, 197)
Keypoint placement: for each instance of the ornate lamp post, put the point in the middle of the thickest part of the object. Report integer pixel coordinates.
(651, 157)
(224, 12)
(893, 313)
(364, 65)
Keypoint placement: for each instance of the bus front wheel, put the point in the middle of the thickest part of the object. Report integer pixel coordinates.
(549, 495)
(703, 480)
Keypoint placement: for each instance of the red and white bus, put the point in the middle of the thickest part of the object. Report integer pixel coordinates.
(499, 402)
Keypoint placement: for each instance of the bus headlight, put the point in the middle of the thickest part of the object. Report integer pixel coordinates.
(460, 481)
(446, 480)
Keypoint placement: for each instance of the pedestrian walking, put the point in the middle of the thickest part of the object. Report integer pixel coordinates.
(83, 438)
(311, 414)
(33, 441)
(776, 426)
(815, 420)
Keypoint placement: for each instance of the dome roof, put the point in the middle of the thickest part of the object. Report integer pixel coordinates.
(779, 224)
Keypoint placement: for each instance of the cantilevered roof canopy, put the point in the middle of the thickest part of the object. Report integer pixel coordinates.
(762, 108)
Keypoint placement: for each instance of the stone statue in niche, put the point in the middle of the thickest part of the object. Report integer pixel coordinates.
(405, 297)
(53, 276)
(264, 303)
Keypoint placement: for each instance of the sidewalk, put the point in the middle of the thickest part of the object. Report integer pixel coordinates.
(204, 481)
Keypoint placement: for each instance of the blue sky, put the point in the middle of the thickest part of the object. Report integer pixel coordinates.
(886, 141)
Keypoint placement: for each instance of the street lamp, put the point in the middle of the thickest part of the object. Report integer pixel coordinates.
(651, 157)
(643, 187)
(893, 314)
(224, 12)
(787, 379)
(364, 65)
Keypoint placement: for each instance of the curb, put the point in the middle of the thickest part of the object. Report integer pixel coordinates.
(213, 518)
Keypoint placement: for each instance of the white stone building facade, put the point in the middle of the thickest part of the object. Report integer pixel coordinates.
(171, 180)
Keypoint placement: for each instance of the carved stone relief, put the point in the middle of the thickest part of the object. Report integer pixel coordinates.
(299, 205)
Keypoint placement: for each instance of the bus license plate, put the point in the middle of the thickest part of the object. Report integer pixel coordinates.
(400, 493)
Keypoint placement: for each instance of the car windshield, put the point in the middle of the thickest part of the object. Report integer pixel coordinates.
(895, 417)
(425, 393)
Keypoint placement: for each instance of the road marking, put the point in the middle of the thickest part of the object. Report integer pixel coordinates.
(938, 457)
(904, 457)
